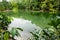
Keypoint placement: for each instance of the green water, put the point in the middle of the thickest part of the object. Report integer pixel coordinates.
(38, 18)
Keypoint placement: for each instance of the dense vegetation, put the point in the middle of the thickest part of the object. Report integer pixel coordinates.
(5, 34)
(51, 6)
(44, 13)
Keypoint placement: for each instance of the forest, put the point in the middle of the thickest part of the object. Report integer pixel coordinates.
(39, 19)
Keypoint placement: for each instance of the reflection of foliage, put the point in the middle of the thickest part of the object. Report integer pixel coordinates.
(4, 33)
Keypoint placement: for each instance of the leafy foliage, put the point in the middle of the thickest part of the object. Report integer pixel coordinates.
(14, 31)
(49, 33)
(4, 33)
(43, 7)
(51, 6)
(4, 5)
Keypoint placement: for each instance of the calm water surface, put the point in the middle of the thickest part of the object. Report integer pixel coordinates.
(26, 25)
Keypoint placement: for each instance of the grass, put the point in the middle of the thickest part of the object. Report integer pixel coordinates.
(38, 18)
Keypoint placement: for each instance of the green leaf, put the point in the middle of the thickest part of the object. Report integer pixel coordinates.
(13, 32)
(6, 36)
(20, 29)
(17, 33)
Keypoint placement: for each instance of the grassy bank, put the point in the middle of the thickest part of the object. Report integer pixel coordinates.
(38, 18)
